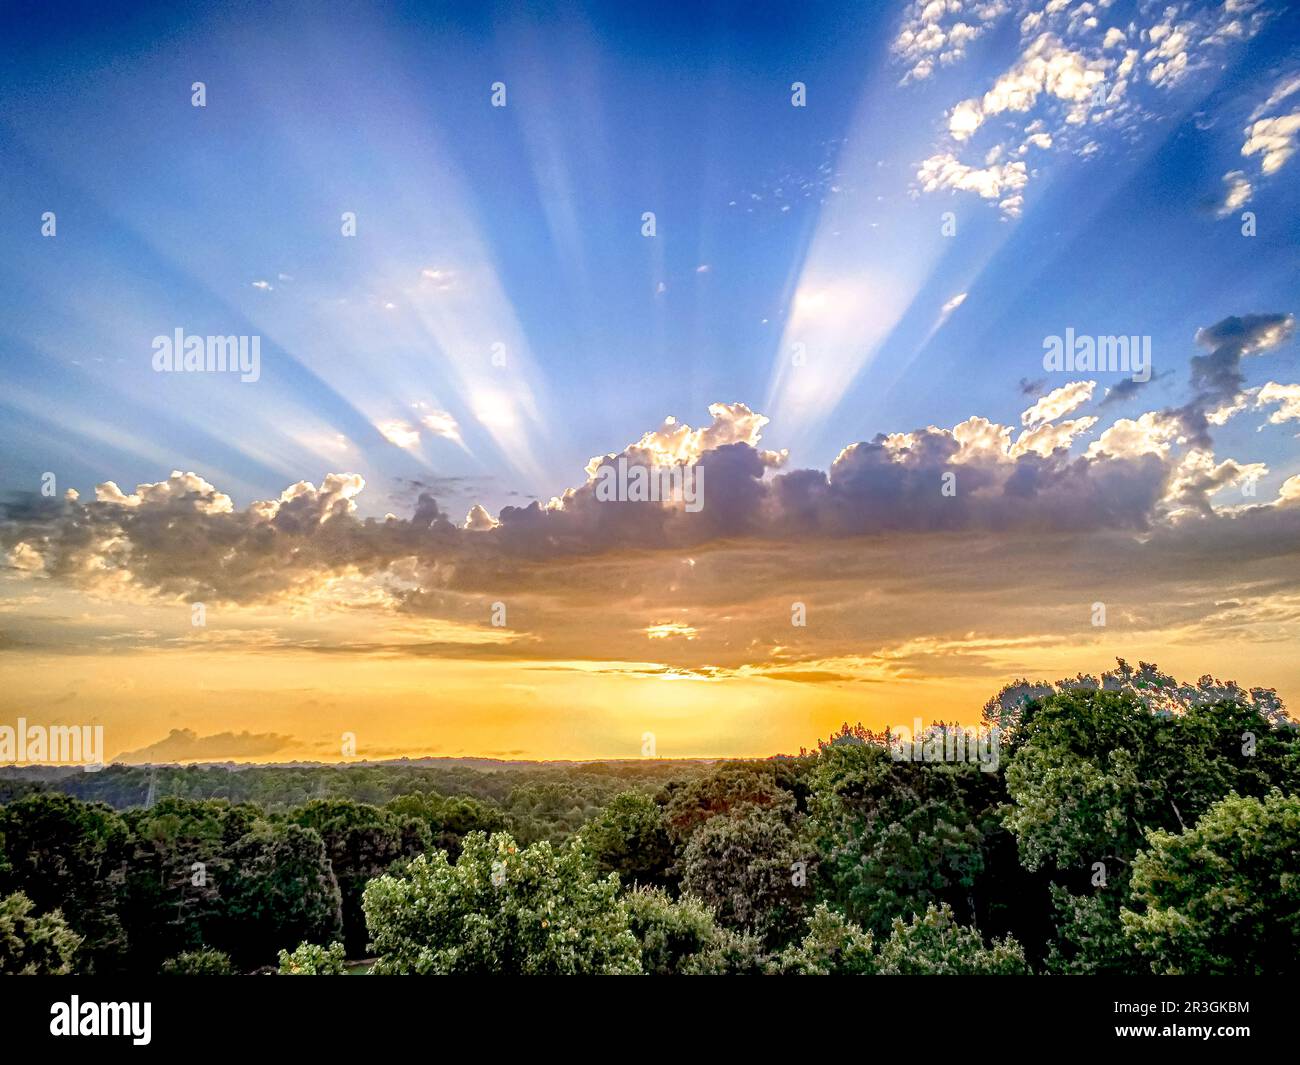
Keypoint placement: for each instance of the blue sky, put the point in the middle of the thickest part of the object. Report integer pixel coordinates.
(167, 215)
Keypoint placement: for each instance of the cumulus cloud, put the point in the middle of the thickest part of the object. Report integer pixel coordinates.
(186, 745)
(997, 181)
(1217, 377)
(1287, 397)
(183, 539)
(939, 31)
(1059, 402)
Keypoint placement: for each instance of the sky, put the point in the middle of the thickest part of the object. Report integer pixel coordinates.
(817, 252)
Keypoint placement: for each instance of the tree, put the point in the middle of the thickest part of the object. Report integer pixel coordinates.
(281, 889)
(933, 944)
(672, 934)
(690, 804)
(630, 837)
(746, 867)
(892, 836)
(70, 856)
(1096, 770)
(449, 820)
(1222, 898)
(174, 899)
(198, 963)
(833, 946)
(307, 959)
(503, 909)
(34, 946)
(361, 842)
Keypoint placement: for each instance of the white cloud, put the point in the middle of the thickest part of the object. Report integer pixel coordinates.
(1284, 89)
(946, 171)
(1273, 138)
(479, 520)
(1079, 76)
(441, 423)
(1237, 194)
(1058, 402)
(398, 432)
(1151, 434)
(1286, 396)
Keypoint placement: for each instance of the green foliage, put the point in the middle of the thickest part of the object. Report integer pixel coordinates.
(34, 946)
(307, 959)
(730, 954)
(742, 867)
(1096, 771)
(894, 836)
(361, 842)
(1088, 939)
(281, 889)
(833, 946)
(630, 837)
(277, 789)
(1105, 845)
(690, 804)
(1222, 898)
(449, 820)
(174, 900)
(69, 856)
(672, 934)
(500, 908)
(933, 944)
(199, 963)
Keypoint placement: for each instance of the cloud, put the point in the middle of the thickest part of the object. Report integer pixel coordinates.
(938, 31)
(1287, 397)
(1217, 376)
(479, 520)
(1236, 194)
(399, 433)
(1285, 88)
(442, 424)
(997, 180)
(182, 539)
(1128, 387)
(1075, 75)
(1274, 140)
(1058, 402)
(185, 745)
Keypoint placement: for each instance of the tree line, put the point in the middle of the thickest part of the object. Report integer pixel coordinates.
(1116, 837)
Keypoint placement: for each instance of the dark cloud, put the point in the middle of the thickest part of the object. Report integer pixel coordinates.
(185, 745)
(1129, 387)
(182, 538)
(1217, 377)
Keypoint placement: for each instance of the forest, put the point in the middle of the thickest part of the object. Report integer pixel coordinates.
(1134, 825)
